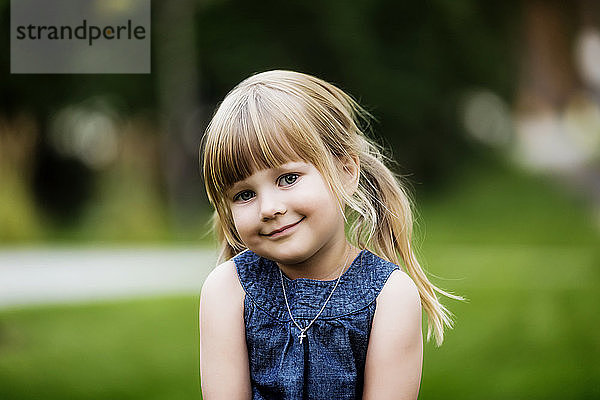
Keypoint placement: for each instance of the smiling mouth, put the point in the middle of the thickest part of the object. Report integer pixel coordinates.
(284, 228)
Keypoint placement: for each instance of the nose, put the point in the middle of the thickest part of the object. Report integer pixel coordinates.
(270, 206)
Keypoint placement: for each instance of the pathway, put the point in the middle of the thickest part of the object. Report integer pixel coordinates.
(31, 276)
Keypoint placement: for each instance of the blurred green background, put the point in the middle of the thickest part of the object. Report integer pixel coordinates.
(491, 109)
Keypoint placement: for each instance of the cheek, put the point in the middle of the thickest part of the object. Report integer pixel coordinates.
(325, 219)
(322, 205)
(241, 221)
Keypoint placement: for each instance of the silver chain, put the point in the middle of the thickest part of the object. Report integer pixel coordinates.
(303, 330)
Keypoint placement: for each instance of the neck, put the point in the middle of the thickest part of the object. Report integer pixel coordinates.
(326, 264)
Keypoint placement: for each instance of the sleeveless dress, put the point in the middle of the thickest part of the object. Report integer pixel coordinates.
(330, 361)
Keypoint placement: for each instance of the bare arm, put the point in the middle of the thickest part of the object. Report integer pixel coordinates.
(395, 352)
(224, 368)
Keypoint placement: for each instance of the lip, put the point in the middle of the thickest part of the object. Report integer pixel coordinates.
(284, 229)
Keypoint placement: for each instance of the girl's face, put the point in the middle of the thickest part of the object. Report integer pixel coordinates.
(286, 214)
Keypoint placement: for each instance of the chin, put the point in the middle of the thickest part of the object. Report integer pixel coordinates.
(282, 256)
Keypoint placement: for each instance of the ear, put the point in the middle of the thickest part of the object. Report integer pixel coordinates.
(350, 168)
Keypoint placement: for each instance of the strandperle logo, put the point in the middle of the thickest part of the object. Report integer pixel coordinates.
(80, 36)
(90, 33)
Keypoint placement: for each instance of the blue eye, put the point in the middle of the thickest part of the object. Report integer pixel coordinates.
(243, 196)
(288, 179)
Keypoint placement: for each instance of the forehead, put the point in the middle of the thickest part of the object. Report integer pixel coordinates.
(255, 130)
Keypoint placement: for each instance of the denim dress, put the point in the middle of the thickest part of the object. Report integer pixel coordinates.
(330, 361)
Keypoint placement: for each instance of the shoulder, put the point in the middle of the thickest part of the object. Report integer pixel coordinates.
(399, 295)
(222, 333)
(222, 282)
(396, 342)
(398, 317)
(222, 292)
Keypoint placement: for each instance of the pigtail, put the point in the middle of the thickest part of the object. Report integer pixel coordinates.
(384, 223)
(381, 211)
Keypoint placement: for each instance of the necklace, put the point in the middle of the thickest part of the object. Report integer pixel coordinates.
(302, 334)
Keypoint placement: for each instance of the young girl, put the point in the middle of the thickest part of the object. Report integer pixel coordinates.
(299, 309)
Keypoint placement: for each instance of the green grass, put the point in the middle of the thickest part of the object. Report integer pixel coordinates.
(528, 329)
(525, 255)
(492, 204)
(145, 349)
(527, 258)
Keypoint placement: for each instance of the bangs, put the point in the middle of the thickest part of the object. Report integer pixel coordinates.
(249, 149)
(253, 132)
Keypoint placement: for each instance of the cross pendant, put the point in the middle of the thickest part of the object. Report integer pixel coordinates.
(301, 336)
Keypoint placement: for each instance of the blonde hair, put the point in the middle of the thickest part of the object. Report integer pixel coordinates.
(275, 117)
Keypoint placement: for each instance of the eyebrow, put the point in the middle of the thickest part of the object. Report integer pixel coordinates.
(234, 189)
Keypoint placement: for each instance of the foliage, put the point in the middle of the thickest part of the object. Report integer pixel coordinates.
(408, 62)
